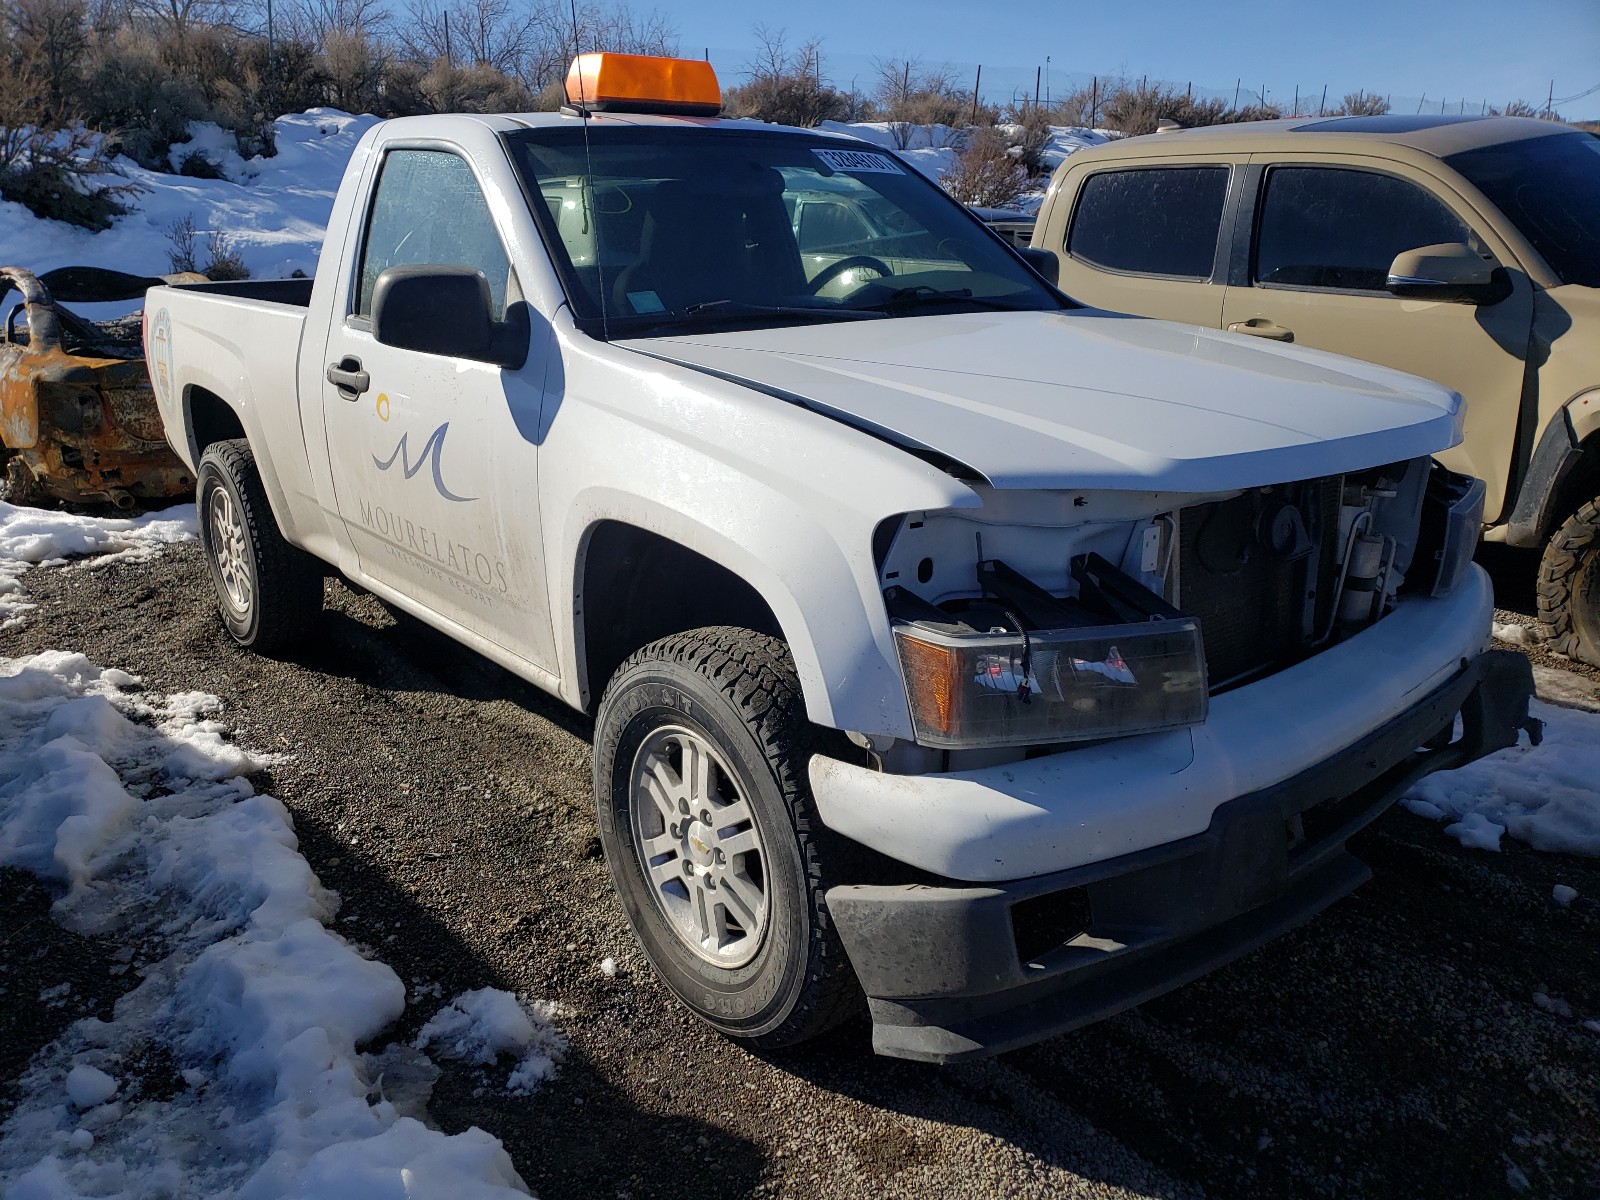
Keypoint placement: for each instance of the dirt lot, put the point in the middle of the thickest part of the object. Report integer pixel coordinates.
(1390, 1048)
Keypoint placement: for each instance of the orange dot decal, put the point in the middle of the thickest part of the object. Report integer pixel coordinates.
(383, 406)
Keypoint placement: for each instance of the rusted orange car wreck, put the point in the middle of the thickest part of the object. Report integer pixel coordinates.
(78, 419)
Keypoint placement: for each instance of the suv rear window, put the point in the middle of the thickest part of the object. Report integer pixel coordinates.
(1151, 221)
(1332, 227)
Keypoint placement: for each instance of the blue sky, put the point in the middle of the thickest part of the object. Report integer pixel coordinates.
(1467, 49)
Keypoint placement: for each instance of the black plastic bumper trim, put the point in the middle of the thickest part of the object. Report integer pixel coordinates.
(940, 965)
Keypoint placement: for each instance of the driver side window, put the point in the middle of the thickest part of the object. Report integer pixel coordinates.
(428, 210)
(1339, 229)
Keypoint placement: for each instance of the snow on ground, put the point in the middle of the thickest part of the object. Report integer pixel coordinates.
(134, 804)
(1544, 796)
(36, 535)
(482, 1026)
(274, 210)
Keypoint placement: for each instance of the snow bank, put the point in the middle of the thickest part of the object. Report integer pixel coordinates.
(134, 801)
(1544, 796)
(36, 535)
(481, 1026)
(274, 210)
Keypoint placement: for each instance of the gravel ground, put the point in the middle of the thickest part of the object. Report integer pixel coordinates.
(1391, 1047)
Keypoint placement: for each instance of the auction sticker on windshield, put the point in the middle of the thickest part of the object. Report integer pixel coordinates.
(859, 162)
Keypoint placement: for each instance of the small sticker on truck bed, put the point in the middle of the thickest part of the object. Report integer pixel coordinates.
(859, 161)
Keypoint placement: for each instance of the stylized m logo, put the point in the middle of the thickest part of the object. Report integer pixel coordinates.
(431, 450)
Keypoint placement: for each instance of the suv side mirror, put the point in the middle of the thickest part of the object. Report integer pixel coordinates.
(1451, 272)
(446, 311)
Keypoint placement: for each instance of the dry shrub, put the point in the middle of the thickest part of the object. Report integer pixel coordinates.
(985, 172)
(1361, 104)
(1029, 137)
(787, 86)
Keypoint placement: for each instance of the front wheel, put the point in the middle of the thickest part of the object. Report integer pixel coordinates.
(1569, 587)
(714, 847)
(268, 592)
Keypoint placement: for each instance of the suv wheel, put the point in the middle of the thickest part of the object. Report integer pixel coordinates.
(701, 748)
(268, 592)
(1569, 587)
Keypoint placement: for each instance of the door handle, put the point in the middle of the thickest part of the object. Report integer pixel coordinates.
(1262, 327)
(347, 377)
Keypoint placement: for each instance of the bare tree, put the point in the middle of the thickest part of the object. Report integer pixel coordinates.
(786, 85)
(54, 36)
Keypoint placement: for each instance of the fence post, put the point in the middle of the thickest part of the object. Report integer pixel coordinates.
(1550, 99)
(1323, 103)
(977, 80)
(1094, 102)
(1296, 111)
(1038, 73)
(1236, 85)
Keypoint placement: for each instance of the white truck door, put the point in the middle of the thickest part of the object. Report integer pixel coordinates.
(435, 480)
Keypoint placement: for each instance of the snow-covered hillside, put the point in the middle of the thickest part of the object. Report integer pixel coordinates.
(274, 211)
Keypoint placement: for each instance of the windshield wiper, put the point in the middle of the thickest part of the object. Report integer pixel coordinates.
(716, 312)
(743, 308)
(908, 299)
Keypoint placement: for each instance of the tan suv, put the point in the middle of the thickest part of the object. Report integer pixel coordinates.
(1463, 250)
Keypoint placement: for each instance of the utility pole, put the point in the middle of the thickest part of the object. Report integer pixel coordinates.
(1550, 99)
(1047, 81)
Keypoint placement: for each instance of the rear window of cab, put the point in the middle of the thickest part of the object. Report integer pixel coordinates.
(1161, 221)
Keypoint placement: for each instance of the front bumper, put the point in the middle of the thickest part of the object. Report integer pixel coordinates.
(965, 972)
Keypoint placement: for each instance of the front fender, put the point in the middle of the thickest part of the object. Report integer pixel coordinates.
(783, 498)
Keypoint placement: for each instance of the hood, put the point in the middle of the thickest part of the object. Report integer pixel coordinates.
(1086, 399)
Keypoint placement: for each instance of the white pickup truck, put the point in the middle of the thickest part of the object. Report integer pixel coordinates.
(1006, 661)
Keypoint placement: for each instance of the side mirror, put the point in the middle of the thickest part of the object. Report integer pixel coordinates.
(1451, 272)
(1043, 261)
(446, 311)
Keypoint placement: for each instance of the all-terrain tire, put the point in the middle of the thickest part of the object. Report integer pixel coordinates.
(1569, 587)
(736, 691)
(269, 593)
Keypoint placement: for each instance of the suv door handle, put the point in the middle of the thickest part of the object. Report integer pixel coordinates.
(1263, 327)
(347, 377)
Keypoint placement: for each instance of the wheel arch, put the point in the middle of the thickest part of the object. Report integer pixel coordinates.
(633, 586)
(208, 418)
(1563, 474)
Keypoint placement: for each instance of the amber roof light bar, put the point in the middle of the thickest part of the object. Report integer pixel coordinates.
(640, 83)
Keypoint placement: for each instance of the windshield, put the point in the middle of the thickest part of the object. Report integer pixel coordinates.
(662, 231)
(1549, 188)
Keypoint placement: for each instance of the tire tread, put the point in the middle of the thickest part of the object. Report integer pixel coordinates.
(1559, 569)
(288, 580)
(755, 673)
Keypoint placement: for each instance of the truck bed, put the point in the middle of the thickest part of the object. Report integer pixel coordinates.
(295, 292)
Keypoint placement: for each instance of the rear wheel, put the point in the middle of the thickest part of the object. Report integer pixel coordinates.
(1569, 587)
(714, 847)
(268, 592)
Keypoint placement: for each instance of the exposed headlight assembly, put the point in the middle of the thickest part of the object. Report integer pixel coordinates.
(1452, 522)
(1028, 680)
